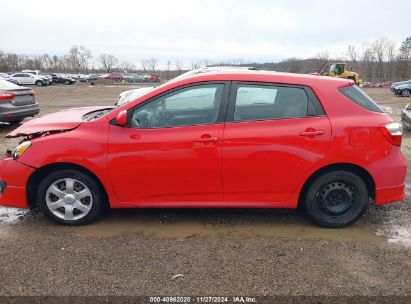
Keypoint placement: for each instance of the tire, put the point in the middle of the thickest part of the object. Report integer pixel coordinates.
(406, 93)
(39, 83)
(66, 82)
(336, 199)
(64, 204)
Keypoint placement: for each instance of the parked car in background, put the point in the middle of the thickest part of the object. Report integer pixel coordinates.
(130, 95)
(403, 90)
(139, 78)
(222, 139)
(114, 76)
(406, 117)
(154, 78)
(92, 77)
(7, 77)
(89, 78)
(16, 102)
(63, 80)
(46, 78)
(27, 78)
(395, 84)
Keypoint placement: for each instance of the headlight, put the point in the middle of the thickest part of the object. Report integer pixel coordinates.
(20, 149)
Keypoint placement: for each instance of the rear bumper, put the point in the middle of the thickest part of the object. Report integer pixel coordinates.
(15, 177)
(12, 113)
(389, 195)
(389, 176)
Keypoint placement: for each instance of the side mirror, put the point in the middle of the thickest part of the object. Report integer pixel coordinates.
(122, 118)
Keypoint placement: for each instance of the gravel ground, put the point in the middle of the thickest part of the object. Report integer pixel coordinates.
(214, 251)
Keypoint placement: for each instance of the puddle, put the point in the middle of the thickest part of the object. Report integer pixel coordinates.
(197, 226)
(11, 215)
(397, 228)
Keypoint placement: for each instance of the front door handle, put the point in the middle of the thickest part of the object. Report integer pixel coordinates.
(312, 132)
(207, 139)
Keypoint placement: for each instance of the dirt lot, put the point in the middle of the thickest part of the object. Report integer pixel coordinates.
(219, 252)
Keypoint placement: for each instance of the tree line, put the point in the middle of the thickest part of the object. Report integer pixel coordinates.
(378, 60)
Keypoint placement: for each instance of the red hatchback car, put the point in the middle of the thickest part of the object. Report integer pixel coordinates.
(248, 139)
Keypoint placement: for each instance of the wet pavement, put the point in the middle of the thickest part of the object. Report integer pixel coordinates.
(218, 251)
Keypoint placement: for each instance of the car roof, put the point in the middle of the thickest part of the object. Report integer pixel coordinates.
(262, 76)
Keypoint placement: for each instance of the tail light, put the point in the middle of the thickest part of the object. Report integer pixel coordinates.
(33, 92)
(6, 96)
(393, 132)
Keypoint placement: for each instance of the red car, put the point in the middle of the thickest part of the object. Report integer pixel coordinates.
(249, 139)
(114, 76)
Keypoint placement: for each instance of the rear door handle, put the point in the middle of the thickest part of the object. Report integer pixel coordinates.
(207, 139)
(312, 133)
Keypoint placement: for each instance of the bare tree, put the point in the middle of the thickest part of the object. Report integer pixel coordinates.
(178, 64)
(195, 65)
(127, 66)
(404, 59)
(108, 62)
(391, 58)
(292, 65)
(145, 64)
(77, 58)
(152, 64)
(320, 61)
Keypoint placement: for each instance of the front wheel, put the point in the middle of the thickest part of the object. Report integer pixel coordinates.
(70, 197)
(39, 83)
(336, 199)
(406, 93)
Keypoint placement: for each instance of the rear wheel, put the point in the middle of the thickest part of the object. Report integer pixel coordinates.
(336, 199)
(70, 197)
(67, 82)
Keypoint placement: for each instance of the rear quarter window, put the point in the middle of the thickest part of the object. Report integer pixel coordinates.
(358, 96)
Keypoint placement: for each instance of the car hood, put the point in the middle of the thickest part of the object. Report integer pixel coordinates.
(398, 83)
(403, 86)
(61, 121)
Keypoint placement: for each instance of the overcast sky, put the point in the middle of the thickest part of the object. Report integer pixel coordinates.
(259, 30)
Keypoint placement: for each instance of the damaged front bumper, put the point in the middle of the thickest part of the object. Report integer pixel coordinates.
(14, 177)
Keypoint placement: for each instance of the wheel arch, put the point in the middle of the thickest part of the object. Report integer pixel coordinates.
(40, 173)
(356, 169)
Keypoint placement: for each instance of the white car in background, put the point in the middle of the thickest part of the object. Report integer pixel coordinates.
(27, 78)
(47, 78)
(127, 96)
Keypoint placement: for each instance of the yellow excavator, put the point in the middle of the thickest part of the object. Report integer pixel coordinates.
(340, 70)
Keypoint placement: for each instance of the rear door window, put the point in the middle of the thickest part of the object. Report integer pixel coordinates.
(263, 102)
(355, 94)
